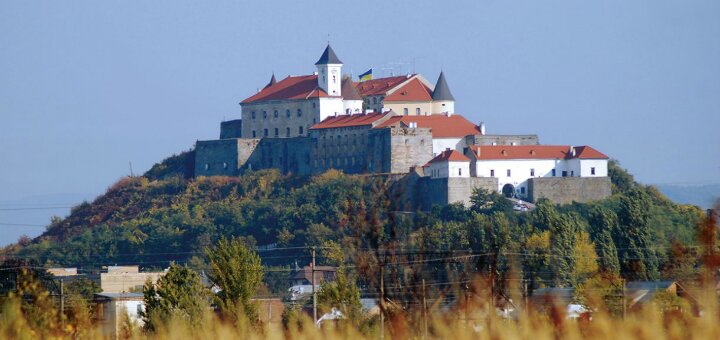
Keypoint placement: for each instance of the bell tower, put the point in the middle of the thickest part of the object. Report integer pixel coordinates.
(330, 72)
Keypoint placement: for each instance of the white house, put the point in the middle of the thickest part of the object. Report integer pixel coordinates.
(449, 163)
(113, 307)
(514, 165)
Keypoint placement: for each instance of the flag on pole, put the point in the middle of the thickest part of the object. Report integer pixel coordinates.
(366, 76)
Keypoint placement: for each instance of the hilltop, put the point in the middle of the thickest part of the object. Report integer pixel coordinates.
(166, 215)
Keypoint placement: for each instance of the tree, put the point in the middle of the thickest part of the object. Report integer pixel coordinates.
(179, 294)
(342, 294)
(621, 180)
(237, 271)
(562, 246)
(638, 259)
(603, 223)
(586, 260)
(486, 202)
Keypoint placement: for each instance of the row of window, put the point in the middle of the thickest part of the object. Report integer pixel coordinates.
(276, 114)
(532, 172)
(277, 132)
(407, 112)
(330, 162)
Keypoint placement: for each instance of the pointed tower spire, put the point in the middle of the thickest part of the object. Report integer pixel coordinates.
(328, 57)
(442, 90)
(272, 81)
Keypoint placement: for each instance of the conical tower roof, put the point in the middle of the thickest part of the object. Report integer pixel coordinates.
(442, 90)
(328, 57)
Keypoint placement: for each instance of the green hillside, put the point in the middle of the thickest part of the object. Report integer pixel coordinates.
(167, 216)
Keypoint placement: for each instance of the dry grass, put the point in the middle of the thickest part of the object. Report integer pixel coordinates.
(649, 323)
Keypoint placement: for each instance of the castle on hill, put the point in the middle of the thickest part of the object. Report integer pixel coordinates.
(401, 126)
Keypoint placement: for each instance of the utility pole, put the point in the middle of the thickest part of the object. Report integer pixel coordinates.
(382, 302)
(622, 297)
(312, 269)
(425, 324)
(62, 303)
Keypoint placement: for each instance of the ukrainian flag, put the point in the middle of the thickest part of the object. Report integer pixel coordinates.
(366, 76)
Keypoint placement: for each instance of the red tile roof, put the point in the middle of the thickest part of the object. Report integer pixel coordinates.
(495, 152)
(588, 152)
(292, 87)
(359, 119)
(442, 126)
(379, 86)
(414, 90)
(449, 156)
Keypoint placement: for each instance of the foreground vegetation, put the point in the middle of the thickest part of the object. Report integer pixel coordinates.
(444, 273)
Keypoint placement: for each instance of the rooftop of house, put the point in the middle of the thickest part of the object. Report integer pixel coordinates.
(441, 125)
(292, 87)
(379, 86)
(349, 120)
(449, 156)
(499, 152)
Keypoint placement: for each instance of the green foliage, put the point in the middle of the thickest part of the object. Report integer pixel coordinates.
(621, 180)
(486, 202)
(84, 288)
(637, 254)
(182, 166)
(342, 294)
(237, 272)
(603, 224)
(179, 294)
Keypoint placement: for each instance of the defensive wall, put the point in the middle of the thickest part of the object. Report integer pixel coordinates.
(231, 129)
(565, 190)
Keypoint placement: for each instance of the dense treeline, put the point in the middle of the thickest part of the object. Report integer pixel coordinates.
(636, 234)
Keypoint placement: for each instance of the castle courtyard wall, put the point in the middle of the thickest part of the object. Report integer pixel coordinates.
(565, 190)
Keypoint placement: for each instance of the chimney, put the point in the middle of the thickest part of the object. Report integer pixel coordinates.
(482, 128)
(572, 151)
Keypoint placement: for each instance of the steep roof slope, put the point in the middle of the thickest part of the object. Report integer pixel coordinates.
(292, 87)
(442, 126)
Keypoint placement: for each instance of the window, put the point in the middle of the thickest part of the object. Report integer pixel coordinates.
(459, 171)
(553, 172)
(572, 173)
(592, 171)
(264, 114)
(417, 111)
(405, 111)
(287, 132)
(334, 80)
(265, 133)
(277, 132)
(299, 112)
(564, 173)
(313, 105)
(287, 113)
(254, 134)
(252, 114)
(275, 113)
(532, 172)
(300, 130)
(207, 166)
(492, 173)
(224, 165)
(508, 172)
(522, 190)
(374, 100)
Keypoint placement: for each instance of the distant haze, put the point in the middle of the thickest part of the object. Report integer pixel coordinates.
(86, 87)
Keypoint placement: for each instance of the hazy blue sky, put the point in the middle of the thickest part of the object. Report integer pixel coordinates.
(87, 86)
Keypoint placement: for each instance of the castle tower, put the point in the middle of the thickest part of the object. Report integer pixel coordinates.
(329, 72)
(443, 100)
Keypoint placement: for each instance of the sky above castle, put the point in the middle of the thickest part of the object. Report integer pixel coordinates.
(88, 87)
